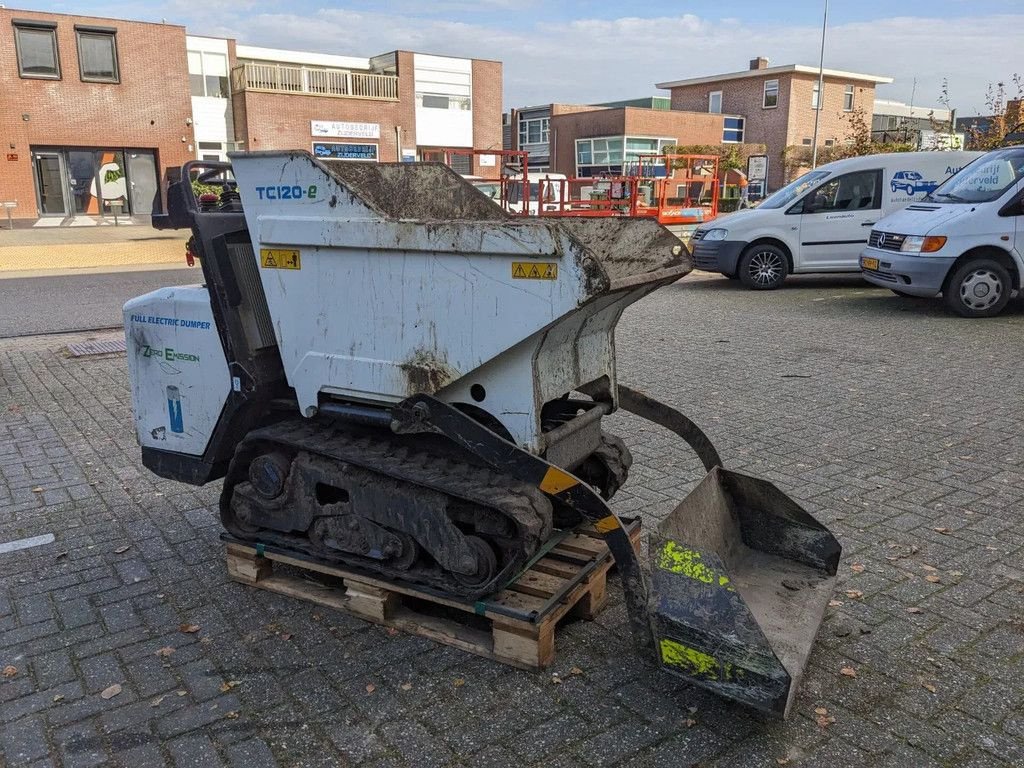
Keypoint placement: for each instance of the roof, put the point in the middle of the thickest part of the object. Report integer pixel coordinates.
(300, 57)
(901, 109)
(784, 69)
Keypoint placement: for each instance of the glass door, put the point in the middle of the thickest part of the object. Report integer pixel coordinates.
(142, 183)
(50, 186)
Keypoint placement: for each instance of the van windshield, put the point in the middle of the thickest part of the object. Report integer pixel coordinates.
(984, 180)
(515, 192)
(793, 190)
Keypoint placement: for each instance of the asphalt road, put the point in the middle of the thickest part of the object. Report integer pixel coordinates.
(59, 303)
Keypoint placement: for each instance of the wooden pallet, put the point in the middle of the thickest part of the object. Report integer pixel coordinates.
(516, 626)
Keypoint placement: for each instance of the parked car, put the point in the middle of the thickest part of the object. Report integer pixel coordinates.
(965, 240)
(820, 221)
(911, 182)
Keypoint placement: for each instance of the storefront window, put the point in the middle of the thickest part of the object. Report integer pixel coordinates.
(615, 155)
(95, 182)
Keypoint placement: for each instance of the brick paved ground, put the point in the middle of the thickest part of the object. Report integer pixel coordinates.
(899, 425)
(31, 249)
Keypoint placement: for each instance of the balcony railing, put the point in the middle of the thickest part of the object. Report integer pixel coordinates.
(314, 81)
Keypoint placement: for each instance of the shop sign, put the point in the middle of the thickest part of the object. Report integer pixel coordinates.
(337, 129)
(331, 151)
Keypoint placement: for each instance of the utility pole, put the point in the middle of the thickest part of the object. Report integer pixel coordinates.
(821, 89)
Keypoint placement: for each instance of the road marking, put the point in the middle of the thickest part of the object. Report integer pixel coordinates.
(34, 541)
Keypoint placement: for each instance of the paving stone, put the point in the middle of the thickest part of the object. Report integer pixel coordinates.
(193, 751)
(23, 740)
(251, 754)
(876, 442)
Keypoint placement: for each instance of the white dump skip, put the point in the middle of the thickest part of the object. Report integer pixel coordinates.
(388, 280)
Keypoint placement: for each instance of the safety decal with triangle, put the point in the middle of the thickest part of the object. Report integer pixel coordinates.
(535, 270)
(280, 258)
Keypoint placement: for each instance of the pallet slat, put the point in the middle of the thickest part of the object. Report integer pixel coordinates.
(569, 579)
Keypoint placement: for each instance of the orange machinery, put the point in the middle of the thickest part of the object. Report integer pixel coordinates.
(677, 189)
(588, 196)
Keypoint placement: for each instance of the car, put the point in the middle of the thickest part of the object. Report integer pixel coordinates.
(965, 240)
(820, 221)
(911, 183)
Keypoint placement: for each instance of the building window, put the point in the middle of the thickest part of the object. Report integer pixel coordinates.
(771, 94)
(815, 97)
(440, 101)
(715, 102)
(848, 99)
(597, 156)
(830, 142)
(534, 131)
(37, 50)
(208, 74)
(616, 155)
(97, 55)
(732, 130)
(806, 142)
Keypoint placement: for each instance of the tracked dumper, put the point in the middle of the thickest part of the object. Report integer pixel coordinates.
(392, 374)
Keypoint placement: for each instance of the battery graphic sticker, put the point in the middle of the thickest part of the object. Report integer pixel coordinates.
(174, 410)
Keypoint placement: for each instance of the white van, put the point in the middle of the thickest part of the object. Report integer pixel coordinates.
(965, 240)
(819, 222)
(553, 192)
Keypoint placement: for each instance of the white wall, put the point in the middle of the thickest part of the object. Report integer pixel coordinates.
(257, 53)
(211, 117)
(443, 76)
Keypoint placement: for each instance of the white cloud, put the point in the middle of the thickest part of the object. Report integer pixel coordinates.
(603, 59)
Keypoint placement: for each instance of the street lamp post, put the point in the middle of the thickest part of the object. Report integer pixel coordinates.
(821, 89)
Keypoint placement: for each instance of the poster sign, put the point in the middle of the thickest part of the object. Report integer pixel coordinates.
(486, 161)
(757, 168)
(337, 129)
(331, 151)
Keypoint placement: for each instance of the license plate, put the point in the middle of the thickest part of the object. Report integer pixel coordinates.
(867, 263)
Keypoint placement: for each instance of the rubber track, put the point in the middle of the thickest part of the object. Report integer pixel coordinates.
(380, 452)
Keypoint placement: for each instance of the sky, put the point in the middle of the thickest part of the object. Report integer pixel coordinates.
(584, 52)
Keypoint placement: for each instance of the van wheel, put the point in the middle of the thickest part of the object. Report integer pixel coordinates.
(979, 288)
(763, 267)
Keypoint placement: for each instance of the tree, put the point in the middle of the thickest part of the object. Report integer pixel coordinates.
(1004, 114)
(858, 141)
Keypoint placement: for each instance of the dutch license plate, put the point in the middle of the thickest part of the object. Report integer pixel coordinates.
(868, 263)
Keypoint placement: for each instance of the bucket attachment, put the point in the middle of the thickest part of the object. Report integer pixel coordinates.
(740, 579)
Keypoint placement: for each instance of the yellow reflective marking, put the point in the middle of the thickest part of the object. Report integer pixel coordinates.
(606, 524)
(280, 258)
(555, 481)
(677, 559)
(696, 663)
(535, 270)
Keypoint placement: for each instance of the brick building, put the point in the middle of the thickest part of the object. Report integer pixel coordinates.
(588, 140)
(94, 111)
(399, 106)
(91, 113)
(778, 104)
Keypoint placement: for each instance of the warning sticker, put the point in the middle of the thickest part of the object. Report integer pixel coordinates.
(535, 270)
(280, 258)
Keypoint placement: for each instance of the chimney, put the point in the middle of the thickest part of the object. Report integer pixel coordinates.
(759, 63)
